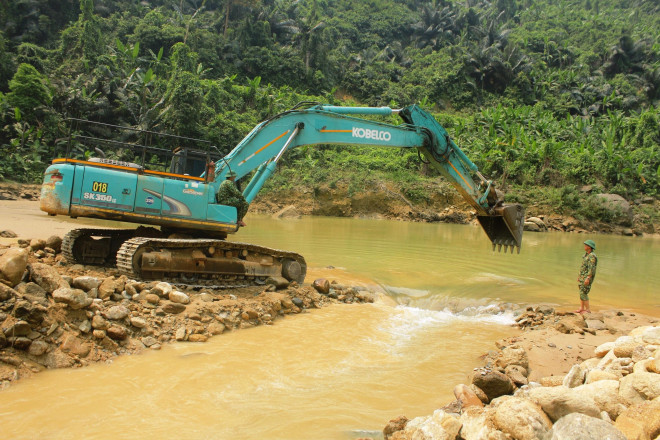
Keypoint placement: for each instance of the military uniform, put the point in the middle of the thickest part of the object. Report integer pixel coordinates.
(229, 195)
(587, 270)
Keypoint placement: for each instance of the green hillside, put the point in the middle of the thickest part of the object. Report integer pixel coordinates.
(546, 97)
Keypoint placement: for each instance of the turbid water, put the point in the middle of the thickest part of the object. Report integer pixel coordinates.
(343, 371)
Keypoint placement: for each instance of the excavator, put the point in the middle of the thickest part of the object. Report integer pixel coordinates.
(170, 183)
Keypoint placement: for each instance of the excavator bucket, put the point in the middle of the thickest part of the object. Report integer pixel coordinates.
(505, 226)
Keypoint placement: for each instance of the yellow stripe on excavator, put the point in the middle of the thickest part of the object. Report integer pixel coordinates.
(264, 147)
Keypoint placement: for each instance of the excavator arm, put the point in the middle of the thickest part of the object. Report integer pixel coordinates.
(317, 124)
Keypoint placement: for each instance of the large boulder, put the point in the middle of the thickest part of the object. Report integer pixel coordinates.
(651, 335)
(58, 359)
(466, 396)
(117, 313)
(117, 332)
(521, 418)
(19, 328)
(535, 224)
(478, 424)
(74, 298)
(617, 207)
(86, 283)
(394, 425)
(54, 242)
(625, 346)
(517, 374)
(605, 393)
(603, 349)
(493, 383)
(99, 323)
(439, 426)
(570, 324)
(109, 286)
(47, 277)
(512, 355)
(173, 308)
(322, 285)
(37, 244)
(33, 292)
(559, 401)
(7, 292)
(177, 296)
(162, 289)
(640, 386)
(33, 313)
(640, 421)
(12, 266)
(575, 377)
(580, 426)
(75, 345)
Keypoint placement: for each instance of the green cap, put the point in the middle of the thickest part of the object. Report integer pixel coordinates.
(591, 244)
(230, 174)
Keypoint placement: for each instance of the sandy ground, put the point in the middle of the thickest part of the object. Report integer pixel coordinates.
(26, 219)
(552, 353)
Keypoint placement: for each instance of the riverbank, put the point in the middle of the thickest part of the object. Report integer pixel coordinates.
(565, 376)
(604, 213)
(629, 219)
(58, 315)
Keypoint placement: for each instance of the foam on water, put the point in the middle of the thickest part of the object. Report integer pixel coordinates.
(408, 323)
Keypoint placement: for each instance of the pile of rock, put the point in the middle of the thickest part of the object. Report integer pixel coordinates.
(535, 317)
(17, 191)
(614, 395)
(55, 315)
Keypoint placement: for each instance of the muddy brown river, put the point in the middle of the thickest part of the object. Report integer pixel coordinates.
(343, 371)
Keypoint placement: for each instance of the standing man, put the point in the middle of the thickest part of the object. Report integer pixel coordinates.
(229, 195)
(587, 275)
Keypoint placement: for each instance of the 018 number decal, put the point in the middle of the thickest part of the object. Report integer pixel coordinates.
(100, 187)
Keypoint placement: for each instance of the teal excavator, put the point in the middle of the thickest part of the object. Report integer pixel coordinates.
(170, 183)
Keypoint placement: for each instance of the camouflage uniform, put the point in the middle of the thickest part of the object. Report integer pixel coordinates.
(229, 195)
(588, 269)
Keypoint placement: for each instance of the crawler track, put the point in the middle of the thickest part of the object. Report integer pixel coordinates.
(211, 263)
(226, 272)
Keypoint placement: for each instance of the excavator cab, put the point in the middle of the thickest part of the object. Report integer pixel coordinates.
(188, 162)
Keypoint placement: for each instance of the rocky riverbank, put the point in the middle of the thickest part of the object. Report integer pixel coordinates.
(565, 377)
(57, 315)
(444, 205)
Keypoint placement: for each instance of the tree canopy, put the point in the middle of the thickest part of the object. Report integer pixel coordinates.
(538, 92)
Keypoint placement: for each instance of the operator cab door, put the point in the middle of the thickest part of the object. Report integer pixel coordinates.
(108, 188)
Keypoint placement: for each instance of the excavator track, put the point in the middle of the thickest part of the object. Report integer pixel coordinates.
(207, 263)
(94, 246)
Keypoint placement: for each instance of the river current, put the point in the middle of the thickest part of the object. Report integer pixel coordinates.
(343, 371)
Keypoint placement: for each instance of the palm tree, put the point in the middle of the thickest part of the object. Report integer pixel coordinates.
(627, 56)
(437, 27)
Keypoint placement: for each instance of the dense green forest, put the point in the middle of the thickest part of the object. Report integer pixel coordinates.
(545, 96)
